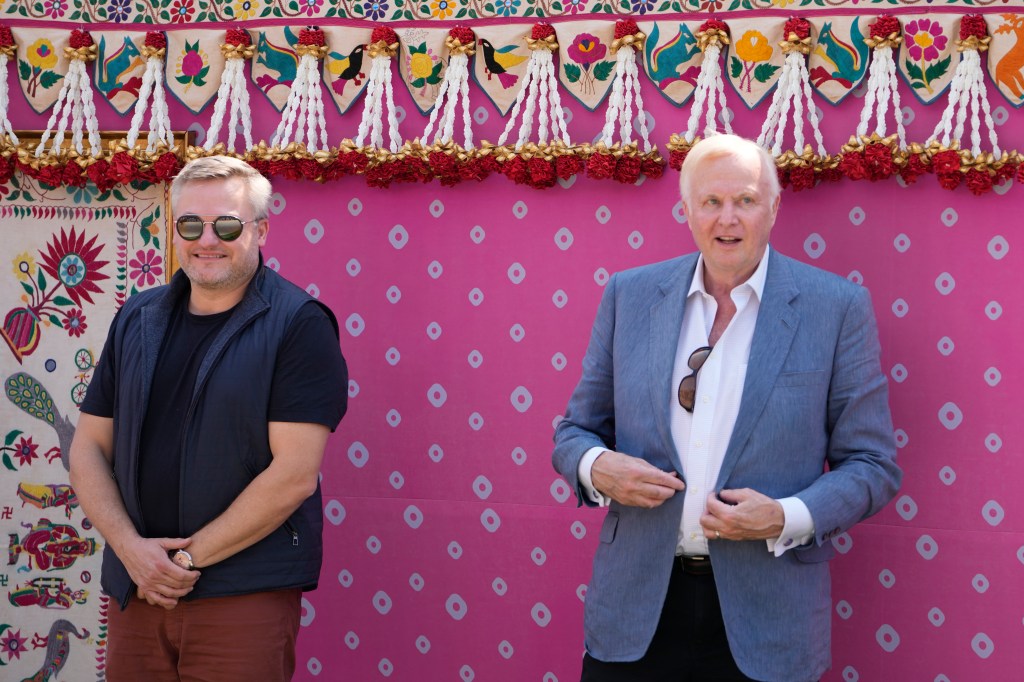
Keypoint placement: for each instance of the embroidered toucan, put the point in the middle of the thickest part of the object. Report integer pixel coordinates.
(497, 62)
(347, 69)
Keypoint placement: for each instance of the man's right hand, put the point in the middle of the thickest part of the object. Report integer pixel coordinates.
(632, 481)
(160, 581)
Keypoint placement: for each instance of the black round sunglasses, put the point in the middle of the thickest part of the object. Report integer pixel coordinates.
(228, 228)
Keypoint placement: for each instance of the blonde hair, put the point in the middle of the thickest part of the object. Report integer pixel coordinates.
(257, 187)
(727, 146)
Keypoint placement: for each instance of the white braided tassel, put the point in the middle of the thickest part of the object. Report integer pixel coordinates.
(6, 52)
(379, 93)
(153, 83)
(794, 89)
(626, 88)
(454, 90)
(968, 92)
(236, 49)
(74, 100)
(882, 86)
(539, 92)
(711, 37)
(305, 101)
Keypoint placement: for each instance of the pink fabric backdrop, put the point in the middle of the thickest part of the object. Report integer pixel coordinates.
(454, 552)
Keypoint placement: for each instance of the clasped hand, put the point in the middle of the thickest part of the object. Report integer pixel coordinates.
(160, 581)
(633, 481)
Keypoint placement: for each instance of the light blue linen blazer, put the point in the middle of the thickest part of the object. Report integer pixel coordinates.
(813, 423)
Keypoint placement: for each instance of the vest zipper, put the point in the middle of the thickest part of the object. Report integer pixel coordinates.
(290, 529)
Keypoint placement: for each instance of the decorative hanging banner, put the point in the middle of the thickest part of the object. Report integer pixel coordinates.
(276, 63)
(754, 62)
(421, 65)
(194, 67)
(119, 68)
(346, 66)
(502, 60)
(839, 58)
(41, 65)
(672, 58)
(1005, 58)
(586, 65)
(928, 59)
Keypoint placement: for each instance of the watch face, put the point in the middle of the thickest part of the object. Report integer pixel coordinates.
(182, 559)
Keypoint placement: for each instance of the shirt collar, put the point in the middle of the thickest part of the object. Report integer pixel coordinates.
(755, 282)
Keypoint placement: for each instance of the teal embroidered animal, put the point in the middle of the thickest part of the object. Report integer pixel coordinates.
(279, 59)
(111, 70)
(664, 61)
(847, 62)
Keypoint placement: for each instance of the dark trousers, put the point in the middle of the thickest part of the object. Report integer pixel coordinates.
(689, 644)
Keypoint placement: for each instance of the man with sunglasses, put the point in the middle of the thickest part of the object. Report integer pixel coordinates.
(733, 415)
(197, 453)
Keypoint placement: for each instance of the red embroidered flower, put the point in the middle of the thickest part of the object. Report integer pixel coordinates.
(156, 40)
(80, 39)
(123, 168)
(542, 30)
(627, 169)
(25, 451)
(601, 166)
(979, 182)
(385, 34)
(946, 162)
(238, 36)
(73, 260)
(74, 322)
(625, 27)
(801, 27)
(973, 25)
(568, 165)
(885, 26)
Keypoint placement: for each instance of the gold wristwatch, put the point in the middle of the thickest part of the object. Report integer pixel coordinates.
(183, 559)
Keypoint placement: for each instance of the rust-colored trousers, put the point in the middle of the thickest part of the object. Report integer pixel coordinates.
(223, 639)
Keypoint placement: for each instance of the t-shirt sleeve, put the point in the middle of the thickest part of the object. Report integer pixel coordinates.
(99, 398)
(310, 378)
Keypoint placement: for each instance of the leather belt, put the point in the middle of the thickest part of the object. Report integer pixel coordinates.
(695, 565)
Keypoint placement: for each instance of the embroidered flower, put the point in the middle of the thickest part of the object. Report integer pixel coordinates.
(924, 40)
(310, 7)
(587, 49)
(643, 6)
(576, 6)
(25, 451)
(182, 11)
(73, 260)
(119, 10)
(442, 9)
(244, 9)
(74, 322)
(41, 54)
(24, 267)
(375, 9)
(507, 8)
(55, 9)
(13, 644)
(146, 267)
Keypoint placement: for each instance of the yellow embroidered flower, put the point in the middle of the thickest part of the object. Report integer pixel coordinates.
(420, 65)
(442, 9)
(753, 47)
(24, 267)
(782, 3)
(41, 54)
(245, 9)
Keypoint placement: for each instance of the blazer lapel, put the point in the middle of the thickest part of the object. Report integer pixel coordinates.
(776, 326)
(665, 322)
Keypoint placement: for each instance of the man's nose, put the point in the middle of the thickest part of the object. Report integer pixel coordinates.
(209, 236)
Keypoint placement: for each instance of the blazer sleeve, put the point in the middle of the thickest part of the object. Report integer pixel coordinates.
(862, 474)
(589, 419)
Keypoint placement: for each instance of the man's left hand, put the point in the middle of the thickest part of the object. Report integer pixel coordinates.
(742, 514)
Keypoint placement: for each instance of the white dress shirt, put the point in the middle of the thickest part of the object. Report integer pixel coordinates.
(702, 437)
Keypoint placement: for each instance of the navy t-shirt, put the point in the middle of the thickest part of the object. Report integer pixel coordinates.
(309, 374)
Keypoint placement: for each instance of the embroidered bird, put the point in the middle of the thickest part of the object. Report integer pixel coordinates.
(497, 62)
(664, 61)
(346, 68)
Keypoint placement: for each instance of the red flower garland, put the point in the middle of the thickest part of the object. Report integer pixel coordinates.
(238, 37)
(973, 25)
(797, 25)
(384, 34)
(80, 39)
(156, 40)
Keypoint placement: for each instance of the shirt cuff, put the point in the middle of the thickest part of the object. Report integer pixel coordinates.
(797, 529)
(583, 474)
